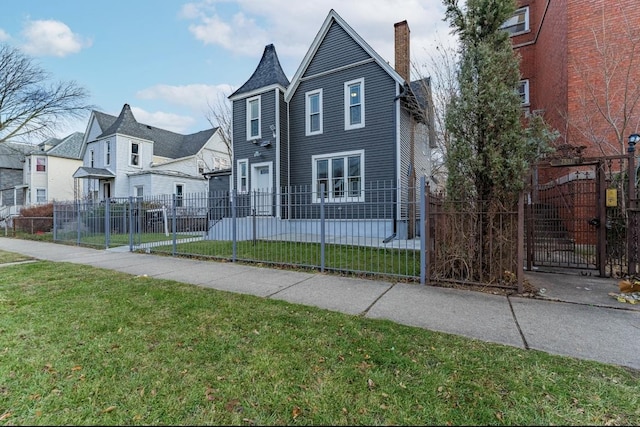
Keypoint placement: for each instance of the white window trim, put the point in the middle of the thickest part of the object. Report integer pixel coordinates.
(524, 10)
(347, 104)
(139, 165)
(329, 156)
(249, 136)
(525, 101)
(92, 158)
(239, 176)
(44, 190)
(307, 112)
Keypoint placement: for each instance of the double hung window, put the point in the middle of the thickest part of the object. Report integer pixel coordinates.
(253, 118)
(135, 154)
(41, 164)
(313, 109)
(243, 176)
(523, 91)
(518, 23)
(354, 104)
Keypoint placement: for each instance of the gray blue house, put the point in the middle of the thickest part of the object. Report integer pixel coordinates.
(347, 125)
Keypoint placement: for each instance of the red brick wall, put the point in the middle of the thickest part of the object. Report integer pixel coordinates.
(561, 60)
(608, 25)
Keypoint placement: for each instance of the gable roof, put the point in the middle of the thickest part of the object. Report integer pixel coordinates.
(268, 73)
(165, 143)
(331, 18)
(69, 147)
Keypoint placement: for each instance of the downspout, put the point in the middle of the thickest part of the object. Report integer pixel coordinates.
(400, 90)
(277, 143)
(288, 162)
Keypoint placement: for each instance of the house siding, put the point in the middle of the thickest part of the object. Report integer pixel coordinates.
(376, 138)
(245, 149)
(331, 53)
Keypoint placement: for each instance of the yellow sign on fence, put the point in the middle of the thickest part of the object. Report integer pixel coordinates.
(612, 197)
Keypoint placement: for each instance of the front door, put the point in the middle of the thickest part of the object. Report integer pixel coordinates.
(261, 188)
(106, 190)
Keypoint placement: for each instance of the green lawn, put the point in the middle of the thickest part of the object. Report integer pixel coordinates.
(86, 346)
(380, 261)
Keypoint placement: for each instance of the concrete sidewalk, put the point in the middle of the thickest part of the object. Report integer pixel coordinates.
(574, 316)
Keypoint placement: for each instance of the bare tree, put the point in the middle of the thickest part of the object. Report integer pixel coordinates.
(30, 105)
(219, 115)
(441, 67)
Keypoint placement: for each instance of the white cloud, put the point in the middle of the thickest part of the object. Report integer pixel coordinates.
(51, 38)
(167, 121)
(195, 97)
(246, 26)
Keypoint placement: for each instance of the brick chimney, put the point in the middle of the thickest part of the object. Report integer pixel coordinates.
(403, 61)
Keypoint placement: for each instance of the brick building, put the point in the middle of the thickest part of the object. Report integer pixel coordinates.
(578, 58)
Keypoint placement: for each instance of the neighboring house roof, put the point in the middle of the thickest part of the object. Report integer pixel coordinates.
(86, 172)
(69, 147)
(268, 73)
(165, 143)
(12, 154)
(163, 172)
(330, 19)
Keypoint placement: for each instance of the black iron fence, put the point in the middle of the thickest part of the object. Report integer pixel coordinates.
(379, 231)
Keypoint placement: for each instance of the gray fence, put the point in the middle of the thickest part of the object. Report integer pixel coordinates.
(368, 232)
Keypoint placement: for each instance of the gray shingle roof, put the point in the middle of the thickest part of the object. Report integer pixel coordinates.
(12, 154)
(268, 72)
(69, 147)
(165, 143)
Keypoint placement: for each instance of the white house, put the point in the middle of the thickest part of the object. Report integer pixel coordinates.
(123, 158)
(48, 170)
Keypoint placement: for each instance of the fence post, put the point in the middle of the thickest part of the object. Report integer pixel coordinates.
(78, 222)
(520, 238)
(424, 231)
(107, 222)
(631, 257)
(54, 221)
(174, 213)
(322, 225)
(131, 223)
(234, 240)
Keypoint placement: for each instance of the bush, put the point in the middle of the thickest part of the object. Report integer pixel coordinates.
(38, 211)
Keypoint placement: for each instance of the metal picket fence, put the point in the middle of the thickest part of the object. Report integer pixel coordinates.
(380, 230)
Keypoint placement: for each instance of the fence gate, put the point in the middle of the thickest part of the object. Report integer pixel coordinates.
(576, 216)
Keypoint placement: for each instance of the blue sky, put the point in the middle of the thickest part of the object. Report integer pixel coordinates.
(170, 59)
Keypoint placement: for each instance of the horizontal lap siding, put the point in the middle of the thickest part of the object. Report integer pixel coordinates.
(377, 138)
(243, 149)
